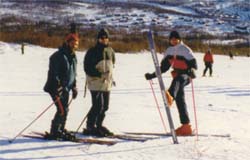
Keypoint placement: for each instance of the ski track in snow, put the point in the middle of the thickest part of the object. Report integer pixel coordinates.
(222, 103)
(229, 91)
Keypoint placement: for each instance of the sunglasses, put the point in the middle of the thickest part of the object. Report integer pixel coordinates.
(104, 37)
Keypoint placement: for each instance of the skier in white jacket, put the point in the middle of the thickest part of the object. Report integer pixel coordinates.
(180, 58)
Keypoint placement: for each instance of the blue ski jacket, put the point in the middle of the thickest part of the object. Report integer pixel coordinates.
(62, 71)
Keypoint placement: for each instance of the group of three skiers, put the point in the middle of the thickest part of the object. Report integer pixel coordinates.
(98, 65)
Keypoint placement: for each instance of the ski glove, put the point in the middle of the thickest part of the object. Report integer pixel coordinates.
(191, 73)
(114, 83)
(62, 91)
(74, 93)
(59, 91)
(150, 76)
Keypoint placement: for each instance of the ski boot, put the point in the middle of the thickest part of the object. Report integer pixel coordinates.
(184, 130)
(90, 131)
(104, 131)
(170, 99)
(68, 136)
(53, 136)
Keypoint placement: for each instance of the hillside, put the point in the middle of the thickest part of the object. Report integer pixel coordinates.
(220, 25)
(213, 17)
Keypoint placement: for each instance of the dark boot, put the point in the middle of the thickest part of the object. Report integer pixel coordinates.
(60, 136)
(90, 131)
(104, 131)
(55, 127)
(53, 136)
(56, 130)
(68, 136)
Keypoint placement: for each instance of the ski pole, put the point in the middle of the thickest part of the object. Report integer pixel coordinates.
(61, 106)
(195, 115)
(157, 105)
(84, 95)
(98, 94)
(82, 122)
(85, 89)
(70, 101)
(13, 139)
(85, 117)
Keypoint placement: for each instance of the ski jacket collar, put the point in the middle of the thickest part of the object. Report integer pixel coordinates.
(64, 49)
(101, 46)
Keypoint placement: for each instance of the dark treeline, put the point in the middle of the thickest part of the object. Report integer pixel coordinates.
(121, 40)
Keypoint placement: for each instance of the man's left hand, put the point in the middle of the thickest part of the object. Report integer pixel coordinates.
(74, 93)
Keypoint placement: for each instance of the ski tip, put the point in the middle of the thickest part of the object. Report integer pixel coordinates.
(111, 144)
(10, 140)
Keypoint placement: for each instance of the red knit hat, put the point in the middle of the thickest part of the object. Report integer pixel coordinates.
(72, 36)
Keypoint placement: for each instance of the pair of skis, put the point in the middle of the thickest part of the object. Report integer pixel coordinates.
(96, 140)
(41, 136)
(126, 137)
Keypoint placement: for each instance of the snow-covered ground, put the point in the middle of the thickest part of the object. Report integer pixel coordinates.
(222, 103)
(216, 18)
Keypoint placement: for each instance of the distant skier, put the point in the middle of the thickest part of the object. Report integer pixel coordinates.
(231, 55)
(61, 80)
(98, 65)
(208, 60)
(22, 48)
(180, 58)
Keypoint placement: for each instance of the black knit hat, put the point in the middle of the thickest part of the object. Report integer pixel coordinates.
(103, 33)
(174, 34)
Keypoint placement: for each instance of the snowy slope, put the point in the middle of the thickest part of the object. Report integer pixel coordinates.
(222, 107)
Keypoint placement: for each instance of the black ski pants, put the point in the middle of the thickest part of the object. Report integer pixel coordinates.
(176, 90)
(62, 109)
(100, 104)
(208, 65)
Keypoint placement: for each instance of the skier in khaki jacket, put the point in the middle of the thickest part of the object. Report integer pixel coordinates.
(98, 66)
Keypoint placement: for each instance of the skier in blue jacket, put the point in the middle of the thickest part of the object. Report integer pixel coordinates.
(61, 80)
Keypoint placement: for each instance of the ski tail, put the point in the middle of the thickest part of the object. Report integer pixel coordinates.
(169, 134)
(33, 136)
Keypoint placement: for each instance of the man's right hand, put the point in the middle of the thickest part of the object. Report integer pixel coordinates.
(74, 93)
(149, 76)
(61, 91)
